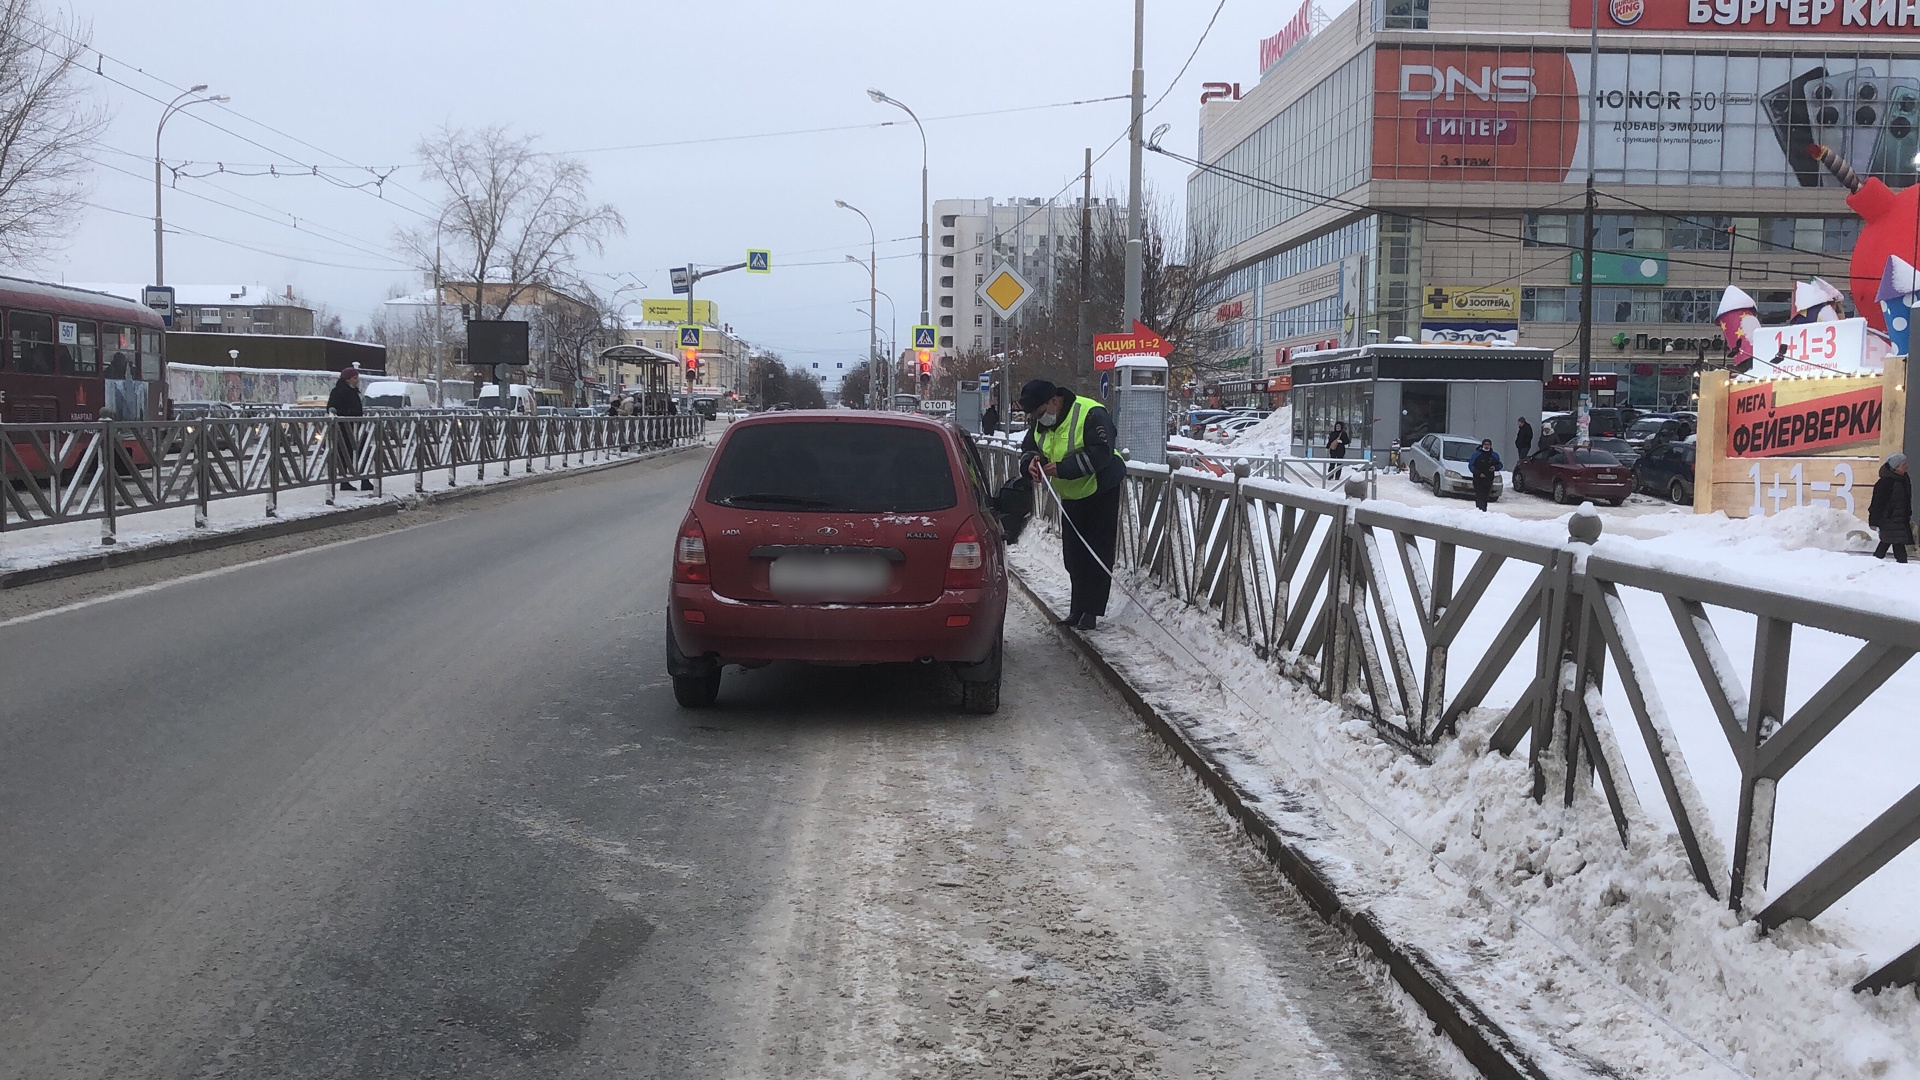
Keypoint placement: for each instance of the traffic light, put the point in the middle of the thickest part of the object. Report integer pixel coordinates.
(926, 362)
(692, 357)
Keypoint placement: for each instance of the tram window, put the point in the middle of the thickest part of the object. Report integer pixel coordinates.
(120, 346)
(150, 355)
(31, 336)
(81, 356)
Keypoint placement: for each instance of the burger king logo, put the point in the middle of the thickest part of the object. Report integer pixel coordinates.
(1626, 12)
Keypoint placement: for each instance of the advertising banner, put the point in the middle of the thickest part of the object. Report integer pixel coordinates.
(1451, 302)
(1884, 17)
(1469, 333)
(1680, 118)
(675, 311)
(1758, 426)
(1813, 349)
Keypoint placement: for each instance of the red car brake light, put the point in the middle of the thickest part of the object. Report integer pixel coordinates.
(966, 566)
(690, 554)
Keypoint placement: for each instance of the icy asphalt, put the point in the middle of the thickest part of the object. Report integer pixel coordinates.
(421, 805)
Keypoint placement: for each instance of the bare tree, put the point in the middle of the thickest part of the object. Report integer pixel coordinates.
(47, 123)
(853, 387)
(573, 326)
(771, 381)
(513, 219)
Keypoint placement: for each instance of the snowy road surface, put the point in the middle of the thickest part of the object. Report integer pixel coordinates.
(421, 805)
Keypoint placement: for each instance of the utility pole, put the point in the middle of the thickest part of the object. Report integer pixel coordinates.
(1086, 258)
(1131, 306)
(1585, 401)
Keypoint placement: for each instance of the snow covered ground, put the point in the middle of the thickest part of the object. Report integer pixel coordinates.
(1595, 950)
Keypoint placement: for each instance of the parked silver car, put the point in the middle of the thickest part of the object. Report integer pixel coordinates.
(1440, 462)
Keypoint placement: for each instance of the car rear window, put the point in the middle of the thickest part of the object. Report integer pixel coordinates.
(834, 468)
(1593, 457)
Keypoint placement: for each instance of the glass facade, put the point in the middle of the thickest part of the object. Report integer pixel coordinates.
(1834, 235)
(1317, 146)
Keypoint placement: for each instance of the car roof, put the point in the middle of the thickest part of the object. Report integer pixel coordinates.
(842, 416)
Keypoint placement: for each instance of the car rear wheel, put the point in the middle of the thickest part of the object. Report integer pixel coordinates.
(697, 691)
(1439, 486)
(1677, 492)
(1560, 491)
(980, 685)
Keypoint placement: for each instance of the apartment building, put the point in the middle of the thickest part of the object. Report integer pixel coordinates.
(971, 237)
(1416, 170)
(221, 309)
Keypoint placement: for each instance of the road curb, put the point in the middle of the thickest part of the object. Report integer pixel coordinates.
(1478, 1037)
(272, 529)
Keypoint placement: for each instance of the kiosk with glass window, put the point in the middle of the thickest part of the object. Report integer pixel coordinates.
(1400, 392)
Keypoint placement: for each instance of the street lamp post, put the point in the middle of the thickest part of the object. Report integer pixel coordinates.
(893, 338)
(873, 288)
(159, 228)
(925, 271)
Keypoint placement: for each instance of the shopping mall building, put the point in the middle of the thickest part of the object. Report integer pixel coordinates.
(1416, 169)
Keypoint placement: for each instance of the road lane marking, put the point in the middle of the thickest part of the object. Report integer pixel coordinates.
(202, 575)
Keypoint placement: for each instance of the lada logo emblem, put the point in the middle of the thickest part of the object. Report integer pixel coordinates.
(829, 530)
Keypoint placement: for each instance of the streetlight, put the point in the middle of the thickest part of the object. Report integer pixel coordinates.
(873, 283)
(893, 338)
(159, 234)
(881, 98)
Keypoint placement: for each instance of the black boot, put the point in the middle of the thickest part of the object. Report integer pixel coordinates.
(1086, 623)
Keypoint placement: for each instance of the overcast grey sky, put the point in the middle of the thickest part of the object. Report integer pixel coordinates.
(362, 80)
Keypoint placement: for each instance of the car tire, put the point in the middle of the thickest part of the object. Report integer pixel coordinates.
(1617, 502)
(980, 686)
(1560, 492)
(1439, 487)
(697, 691)
(1519, 488)
(1677, 491)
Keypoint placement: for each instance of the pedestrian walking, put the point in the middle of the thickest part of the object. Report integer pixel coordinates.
(344, 400)
(1522, 445)
(1483, 467)
(1070, 447)
(1336, 447)
(990, 420)
(1891, 510)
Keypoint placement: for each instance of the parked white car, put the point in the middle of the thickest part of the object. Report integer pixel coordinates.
(1440, 462)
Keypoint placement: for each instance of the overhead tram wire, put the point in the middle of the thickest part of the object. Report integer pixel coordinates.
(175, 230)
(1317, 199)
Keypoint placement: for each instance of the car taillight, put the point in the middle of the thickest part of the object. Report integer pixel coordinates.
(690, 554)
(966, 567)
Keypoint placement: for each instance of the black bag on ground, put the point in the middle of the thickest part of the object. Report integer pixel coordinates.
(1014, 506)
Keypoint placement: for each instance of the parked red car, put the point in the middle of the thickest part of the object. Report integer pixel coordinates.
(844, 538)
(1573, 473)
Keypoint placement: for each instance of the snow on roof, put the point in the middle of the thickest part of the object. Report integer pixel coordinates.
(199, 295)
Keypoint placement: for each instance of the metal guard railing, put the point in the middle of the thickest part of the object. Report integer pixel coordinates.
(57, 473)
(1302, 577)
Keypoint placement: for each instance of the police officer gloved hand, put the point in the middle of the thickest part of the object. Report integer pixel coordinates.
(1070, 447)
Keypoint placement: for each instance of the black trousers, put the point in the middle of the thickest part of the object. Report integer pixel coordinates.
(1097, 519)
(1899, 551)
(1482, 489)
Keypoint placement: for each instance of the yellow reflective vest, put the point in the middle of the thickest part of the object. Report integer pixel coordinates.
(1062, 441)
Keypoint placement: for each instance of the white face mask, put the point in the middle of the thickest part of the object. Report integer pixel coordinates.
(1049, 420)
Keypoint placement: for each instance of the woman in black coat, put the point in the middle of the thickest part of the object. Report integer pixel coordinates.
(1891, 510)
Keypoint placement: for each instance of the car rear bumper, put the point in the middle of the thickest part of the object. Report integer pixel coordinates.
(734, 631)
(1592, 489)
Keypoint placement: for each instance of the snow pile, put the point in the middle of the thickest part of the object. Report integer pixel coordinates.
(1272, 437)
(1585, 950)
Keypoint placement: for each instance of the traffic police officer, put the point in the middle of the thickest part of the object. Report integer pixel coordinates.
(1069, 445)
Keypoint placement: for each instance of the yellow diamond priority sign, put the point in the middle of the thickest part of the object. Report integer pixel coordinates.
(1005, 291)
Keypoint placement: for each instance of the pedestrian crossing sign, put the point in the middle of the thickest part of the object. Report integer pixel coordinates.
(690, 337)
(759, 262)
(926, 337)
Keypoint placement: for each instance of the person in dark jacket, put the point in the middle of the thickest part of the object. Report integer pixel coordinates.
(1482, 467)
(344, 400)
(1070, 447)
(1522, 445)
(990, 420)
(1336, 446)
(1891, 510)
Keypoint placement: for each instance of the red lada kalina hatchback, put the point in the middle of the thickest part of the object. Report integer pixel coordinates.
(839, 537)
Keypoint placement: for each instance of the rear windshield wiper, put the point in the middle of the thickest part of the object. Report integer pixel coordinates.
(772, 497)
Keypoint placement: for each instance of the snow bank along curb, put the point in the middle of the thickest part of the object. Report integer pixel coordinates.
(133, 554)
(1482, 1041)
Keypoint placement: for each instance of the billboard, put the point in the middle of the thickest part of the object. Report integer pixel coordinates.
(1680, 118)
(497, 341)
(1451, 302)
(1275, 49)
(1888, 18)
(675, 311)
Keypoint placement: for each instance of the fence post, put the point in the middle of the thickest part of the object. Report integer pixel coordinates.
(107, 461)
(1555, 746)
(419, 455)
(480, 449)
(201, 481)
(276, 429)
(1766, 711)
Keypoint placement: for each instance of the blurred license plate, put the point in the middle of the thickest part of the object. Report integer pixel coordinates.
(831, 577)
(1608, 476)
